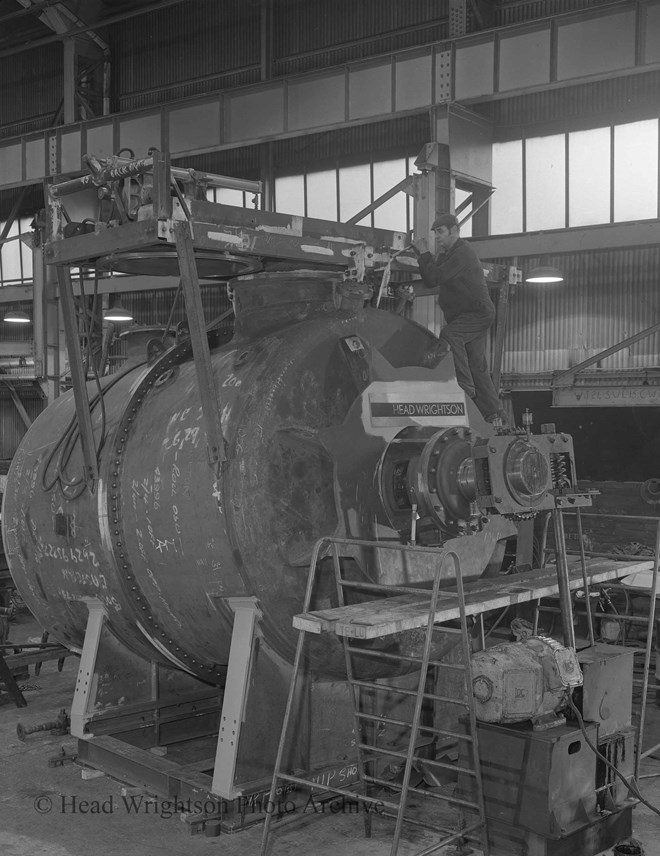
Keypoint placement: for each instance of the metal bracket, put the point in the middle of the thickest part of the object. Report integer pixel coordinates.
(182, 232)
(246, 614)
(83, 697)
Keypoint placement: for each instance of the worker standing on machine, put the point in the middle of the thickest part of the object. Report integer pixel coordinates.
(456, 276)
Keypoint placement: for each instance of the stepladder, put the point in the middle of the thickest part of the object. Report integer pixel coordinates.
(407, 665)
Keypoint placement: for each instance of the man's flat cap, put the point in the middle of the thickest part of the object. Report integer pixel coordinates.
(447, 220)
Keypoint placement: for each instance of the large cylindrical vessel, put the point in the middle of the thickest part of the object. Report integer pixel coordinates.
(166, 538)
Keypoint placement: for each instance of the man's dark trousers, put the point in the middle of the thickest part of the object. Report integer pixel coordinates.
(466, 337)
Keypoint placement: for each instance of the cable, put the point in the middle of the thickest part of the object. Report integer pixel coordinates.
(630, 785)
(73, 487)
(67, 442)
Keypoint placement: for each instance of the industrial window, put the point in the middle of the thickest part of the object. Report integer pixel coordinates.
(322, 194)
(589, 159)
(636, 171)
(354, 191)
(578, 178)
(226, 196)
(391, 214)
(545, 188)
(15, 255)
(290, 194)
(506, 207)
(340, 193)
(466, 225)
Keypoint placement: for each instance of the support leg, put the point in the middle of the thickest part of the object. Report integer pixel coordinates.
(246, 614)
(83, 696)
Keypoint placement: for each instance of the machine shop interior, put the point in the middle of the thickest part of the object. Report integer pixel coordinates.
(277, 574)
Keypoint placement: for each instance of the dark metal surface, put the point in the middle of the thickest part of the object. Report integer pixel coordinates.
(166, 542)
(164, 262)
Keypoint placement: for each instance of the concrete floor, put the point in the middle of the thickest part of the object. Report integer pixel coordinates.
(38, 814)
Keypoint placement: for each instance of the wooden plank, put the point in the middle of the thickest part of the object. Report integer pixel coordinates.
(383, 617)
(326, 620)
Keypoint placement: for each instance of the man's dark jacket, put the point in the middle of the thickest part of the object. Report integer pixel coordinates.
(459, 277)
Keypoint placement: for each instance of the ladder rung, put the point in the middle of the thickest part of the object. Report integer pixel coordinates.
(307, 783)
(395, 754)
(374, 780)
(372, 717)
(447, 700)
(402, 691)
(384, 655)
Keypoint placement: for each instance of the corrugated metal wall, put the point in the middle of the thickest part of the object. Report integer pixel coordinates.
(179, 52)
(16, 332)
(330, 32)
(605, 298)
(12, 427)
(621, 99)
(30, 90)
(159, 57)
(528, 10)
(154, 307)
(190, 49)
(397, 137)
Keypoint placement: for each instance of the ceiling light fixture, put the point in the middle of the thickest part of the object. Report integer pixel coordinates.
(16, 316)
(544, 273)
(117, 313)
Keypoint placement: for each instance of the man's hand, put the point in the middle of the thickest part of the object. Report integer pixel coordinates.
(404, 292)
(421, 245)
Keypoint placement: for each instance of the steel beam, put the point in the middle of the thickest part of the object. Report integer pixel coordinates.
(567, 377)
(496, 64)
(202, 355)
(336, 247)
(18, 404)
(157, 775)
(572, 240)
